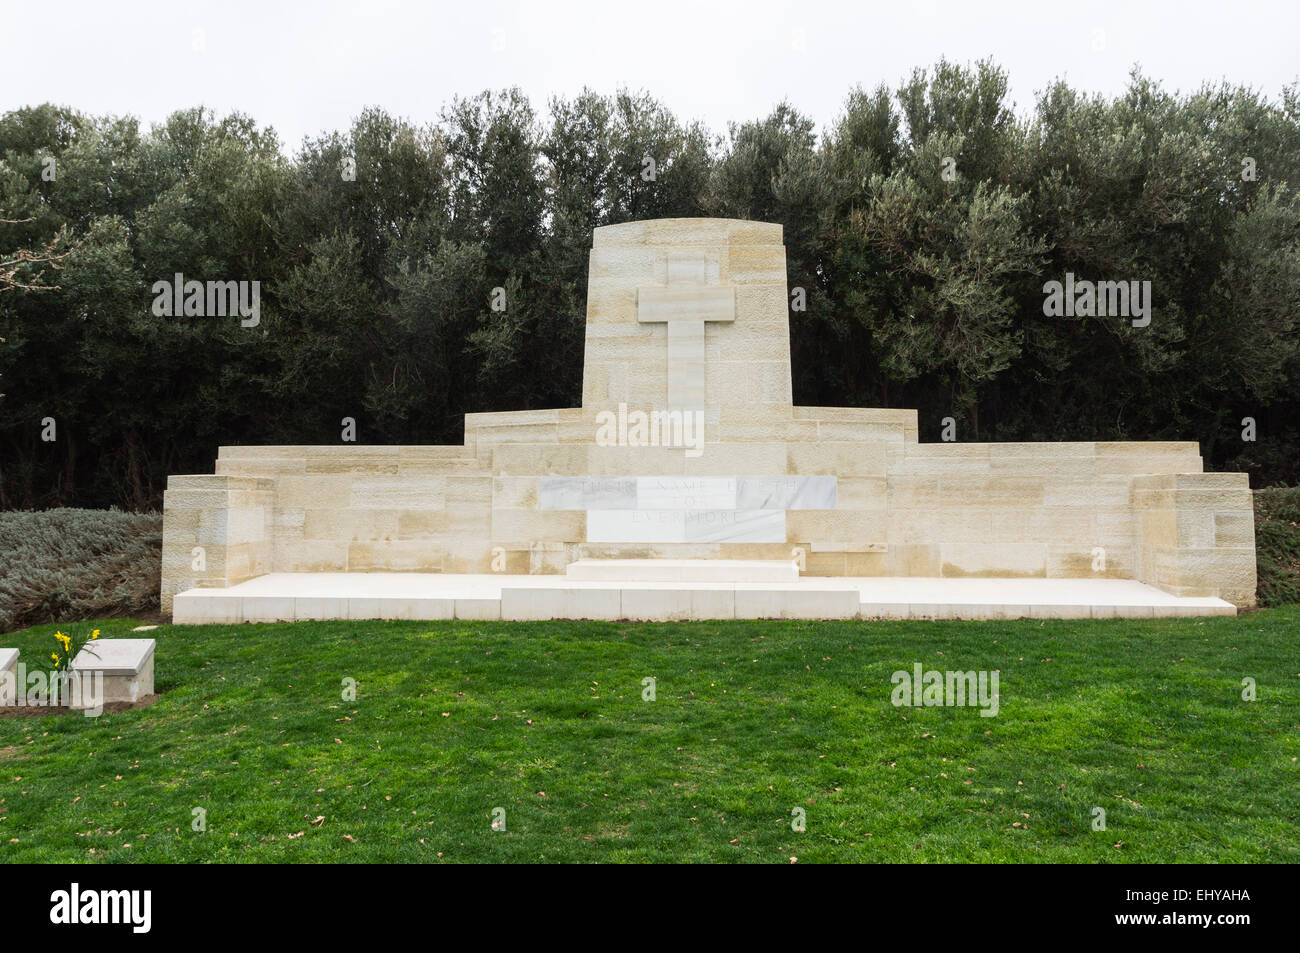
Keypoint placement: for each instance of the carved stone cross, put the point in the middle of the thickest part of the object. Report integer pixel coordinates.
(685, 305)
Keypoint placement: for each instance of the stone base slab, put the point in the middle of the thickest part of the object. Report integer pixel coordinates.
(288, 597)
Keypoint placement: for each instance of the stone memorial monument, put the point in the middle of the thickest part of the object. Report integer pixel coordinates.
(689, 485)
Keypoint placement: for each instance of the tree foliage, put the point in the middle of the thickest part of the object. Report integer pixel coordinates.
(411, 273)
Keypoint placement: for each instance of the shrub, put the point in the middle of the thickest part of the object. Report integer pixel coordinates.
(66, 565)
(1277, 545)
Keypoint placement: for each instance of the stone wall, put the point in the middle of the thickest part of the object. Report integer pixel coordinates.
(902, 508)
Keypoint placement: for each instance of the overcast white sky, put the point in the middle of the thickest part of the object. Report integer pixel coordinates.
(304, 67)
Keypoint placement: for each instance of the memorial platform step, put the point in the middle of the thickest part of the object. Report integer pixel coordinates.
(685, 570)
(499, 597)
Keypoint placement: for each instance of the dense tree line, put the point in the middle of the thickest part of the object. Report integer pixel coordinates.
(921, 225)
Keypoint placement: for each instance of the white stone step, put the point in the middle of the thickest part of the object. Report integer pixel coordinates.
(684, 570)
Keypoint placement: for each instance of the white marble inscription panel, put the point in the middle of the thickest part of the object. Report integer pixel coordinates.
(587, 493)
(786, 493)
(686, 526)
(687, 493)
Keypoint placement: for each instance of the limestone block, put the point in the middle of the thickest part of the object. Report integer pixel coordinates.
(1051, 468)
(1059, 450)
(429, 455)
(911, 560)
(530, 460)
(549, 558)
(906, 491)
(1149, 457)
(773, 551)
(414, 462)
(730, 459)
(610, 302)
(1043, 524)
(949, 451)
(686, 231)
(350, 524)
(1235, 530)
(418, 493)
(1195, 528)
(889, 433)
(625, 461)
(471, 556)
(1117, 522)
(927, 526)
(582, 430)
(318, 491)
(837, 459)
(1205, 571)
(745, 382)
(1109, 490)
(532, 433)
(318, 555)
(1211, 498)
(509, 419)
(510, 492)
(989, 559)
(182, 520)
(458, 522)
(351, 459)
(824, 563)
(258, 466)
(839, 530)
(539, 525)
(990, 490)
(259, 452)
(1077, 562)
(899, 463)
(398, 555)
(862, 493)
(287, 519)
(468, 491)
(624, 267)
(883, 418)
(757, 264)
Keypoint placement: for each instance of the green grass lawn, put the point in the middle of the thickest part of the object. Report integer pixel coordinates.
(751, 720)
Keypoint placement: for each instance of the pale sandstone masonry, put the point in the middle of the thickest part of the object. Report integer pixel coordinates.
(1130, 510)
